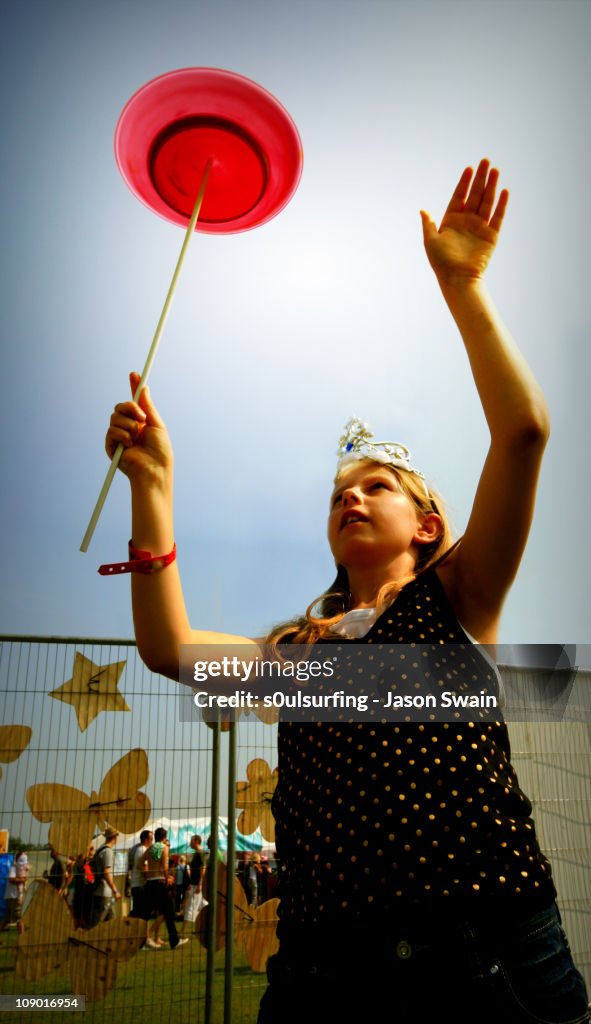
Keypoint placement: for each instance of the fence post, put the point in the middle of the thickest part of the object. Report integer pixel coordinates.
(212, 874)
(230, 864)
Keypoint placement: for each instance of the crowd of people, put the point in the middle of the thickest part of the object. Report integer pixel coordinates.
(257, 878)
(162, 887)
(14, 890)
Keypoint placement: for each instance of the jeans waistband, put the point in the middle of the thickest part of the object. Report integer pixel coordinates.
(370, 938)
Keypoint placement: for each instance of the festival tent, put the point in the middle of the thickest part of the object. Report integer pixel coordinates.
(180, 831)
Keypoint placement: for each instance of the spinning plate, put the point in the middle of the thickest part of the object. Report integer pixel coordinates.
(176, 123)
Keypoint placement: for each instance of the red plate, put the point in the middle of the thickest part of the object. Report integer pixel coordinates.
(173, 125)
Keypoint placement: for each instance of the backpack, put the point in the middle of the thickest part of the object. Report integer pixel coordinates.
(131, 856)
(97, 869)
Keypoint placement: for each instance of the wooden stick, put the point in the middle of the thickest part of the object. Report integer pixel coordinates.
(151, 355)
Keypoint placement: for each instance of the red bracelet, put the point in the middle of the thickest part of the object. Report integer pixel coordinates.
(139, 561)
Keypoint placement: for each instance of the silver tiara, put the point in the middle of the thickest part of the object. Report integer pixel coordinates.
(358, 442)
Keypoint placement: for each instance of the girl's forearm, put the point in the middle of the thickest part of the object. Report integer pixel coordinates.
(152, 519)
(159, 614)
(512, 399)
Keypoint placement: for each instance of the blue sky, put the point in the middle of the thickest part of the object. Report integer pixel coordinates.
(278, 335)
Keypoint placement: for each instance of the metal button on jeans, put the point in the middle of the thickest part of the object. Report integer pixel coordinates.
(403, 950)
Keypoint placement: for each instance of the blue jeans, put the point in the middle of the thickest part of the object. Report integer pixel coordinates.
(534, 978)
(467, 974)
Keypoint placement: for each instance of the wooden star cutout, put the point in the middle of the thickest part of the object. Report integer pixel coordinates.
(92, 689)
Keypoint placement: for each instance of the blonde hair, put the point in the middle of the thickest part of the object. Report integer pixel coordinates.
(333, 604)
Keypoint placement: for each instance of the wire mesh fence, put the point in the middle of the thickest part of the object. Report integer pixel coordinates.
(90, 738)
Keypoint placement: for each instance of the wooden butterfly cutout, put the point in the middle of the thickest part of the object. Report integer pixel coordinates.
(13, 740)
(75, 816)
(254, 927)
(254, 797)
(91, 957)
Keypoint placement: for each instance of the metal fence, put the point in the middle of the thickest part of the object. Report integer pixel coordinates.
(73, 708)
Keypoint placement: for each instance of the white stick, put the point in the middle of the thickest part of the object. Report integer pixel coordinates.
(151, 355)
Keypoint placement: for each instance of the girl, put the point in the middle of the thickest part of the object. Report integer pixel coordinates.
(411, 876)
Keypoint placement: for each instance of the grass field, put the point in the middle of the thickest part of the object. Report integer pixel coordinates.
(159, 985)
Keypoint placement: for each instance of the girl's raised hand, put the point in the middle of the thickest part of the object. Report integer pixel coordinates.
(463, 245)
(138, 426)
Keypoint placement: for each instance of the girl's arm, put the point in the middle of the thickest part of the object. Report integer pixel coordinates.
(160, 617)
(480, 571)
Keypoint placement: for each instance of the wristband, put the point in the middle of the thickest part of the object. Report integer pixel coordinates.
(139, 561)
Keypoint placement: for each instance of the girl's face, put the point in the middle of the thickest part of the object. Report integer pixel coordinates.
(371, 520)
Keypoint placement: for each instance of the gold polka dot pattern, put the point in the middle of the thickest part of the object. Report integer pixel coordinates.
(388, 816)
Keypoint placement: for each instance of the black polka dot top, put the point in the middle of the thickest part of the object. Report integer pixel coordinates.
(378, 818)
